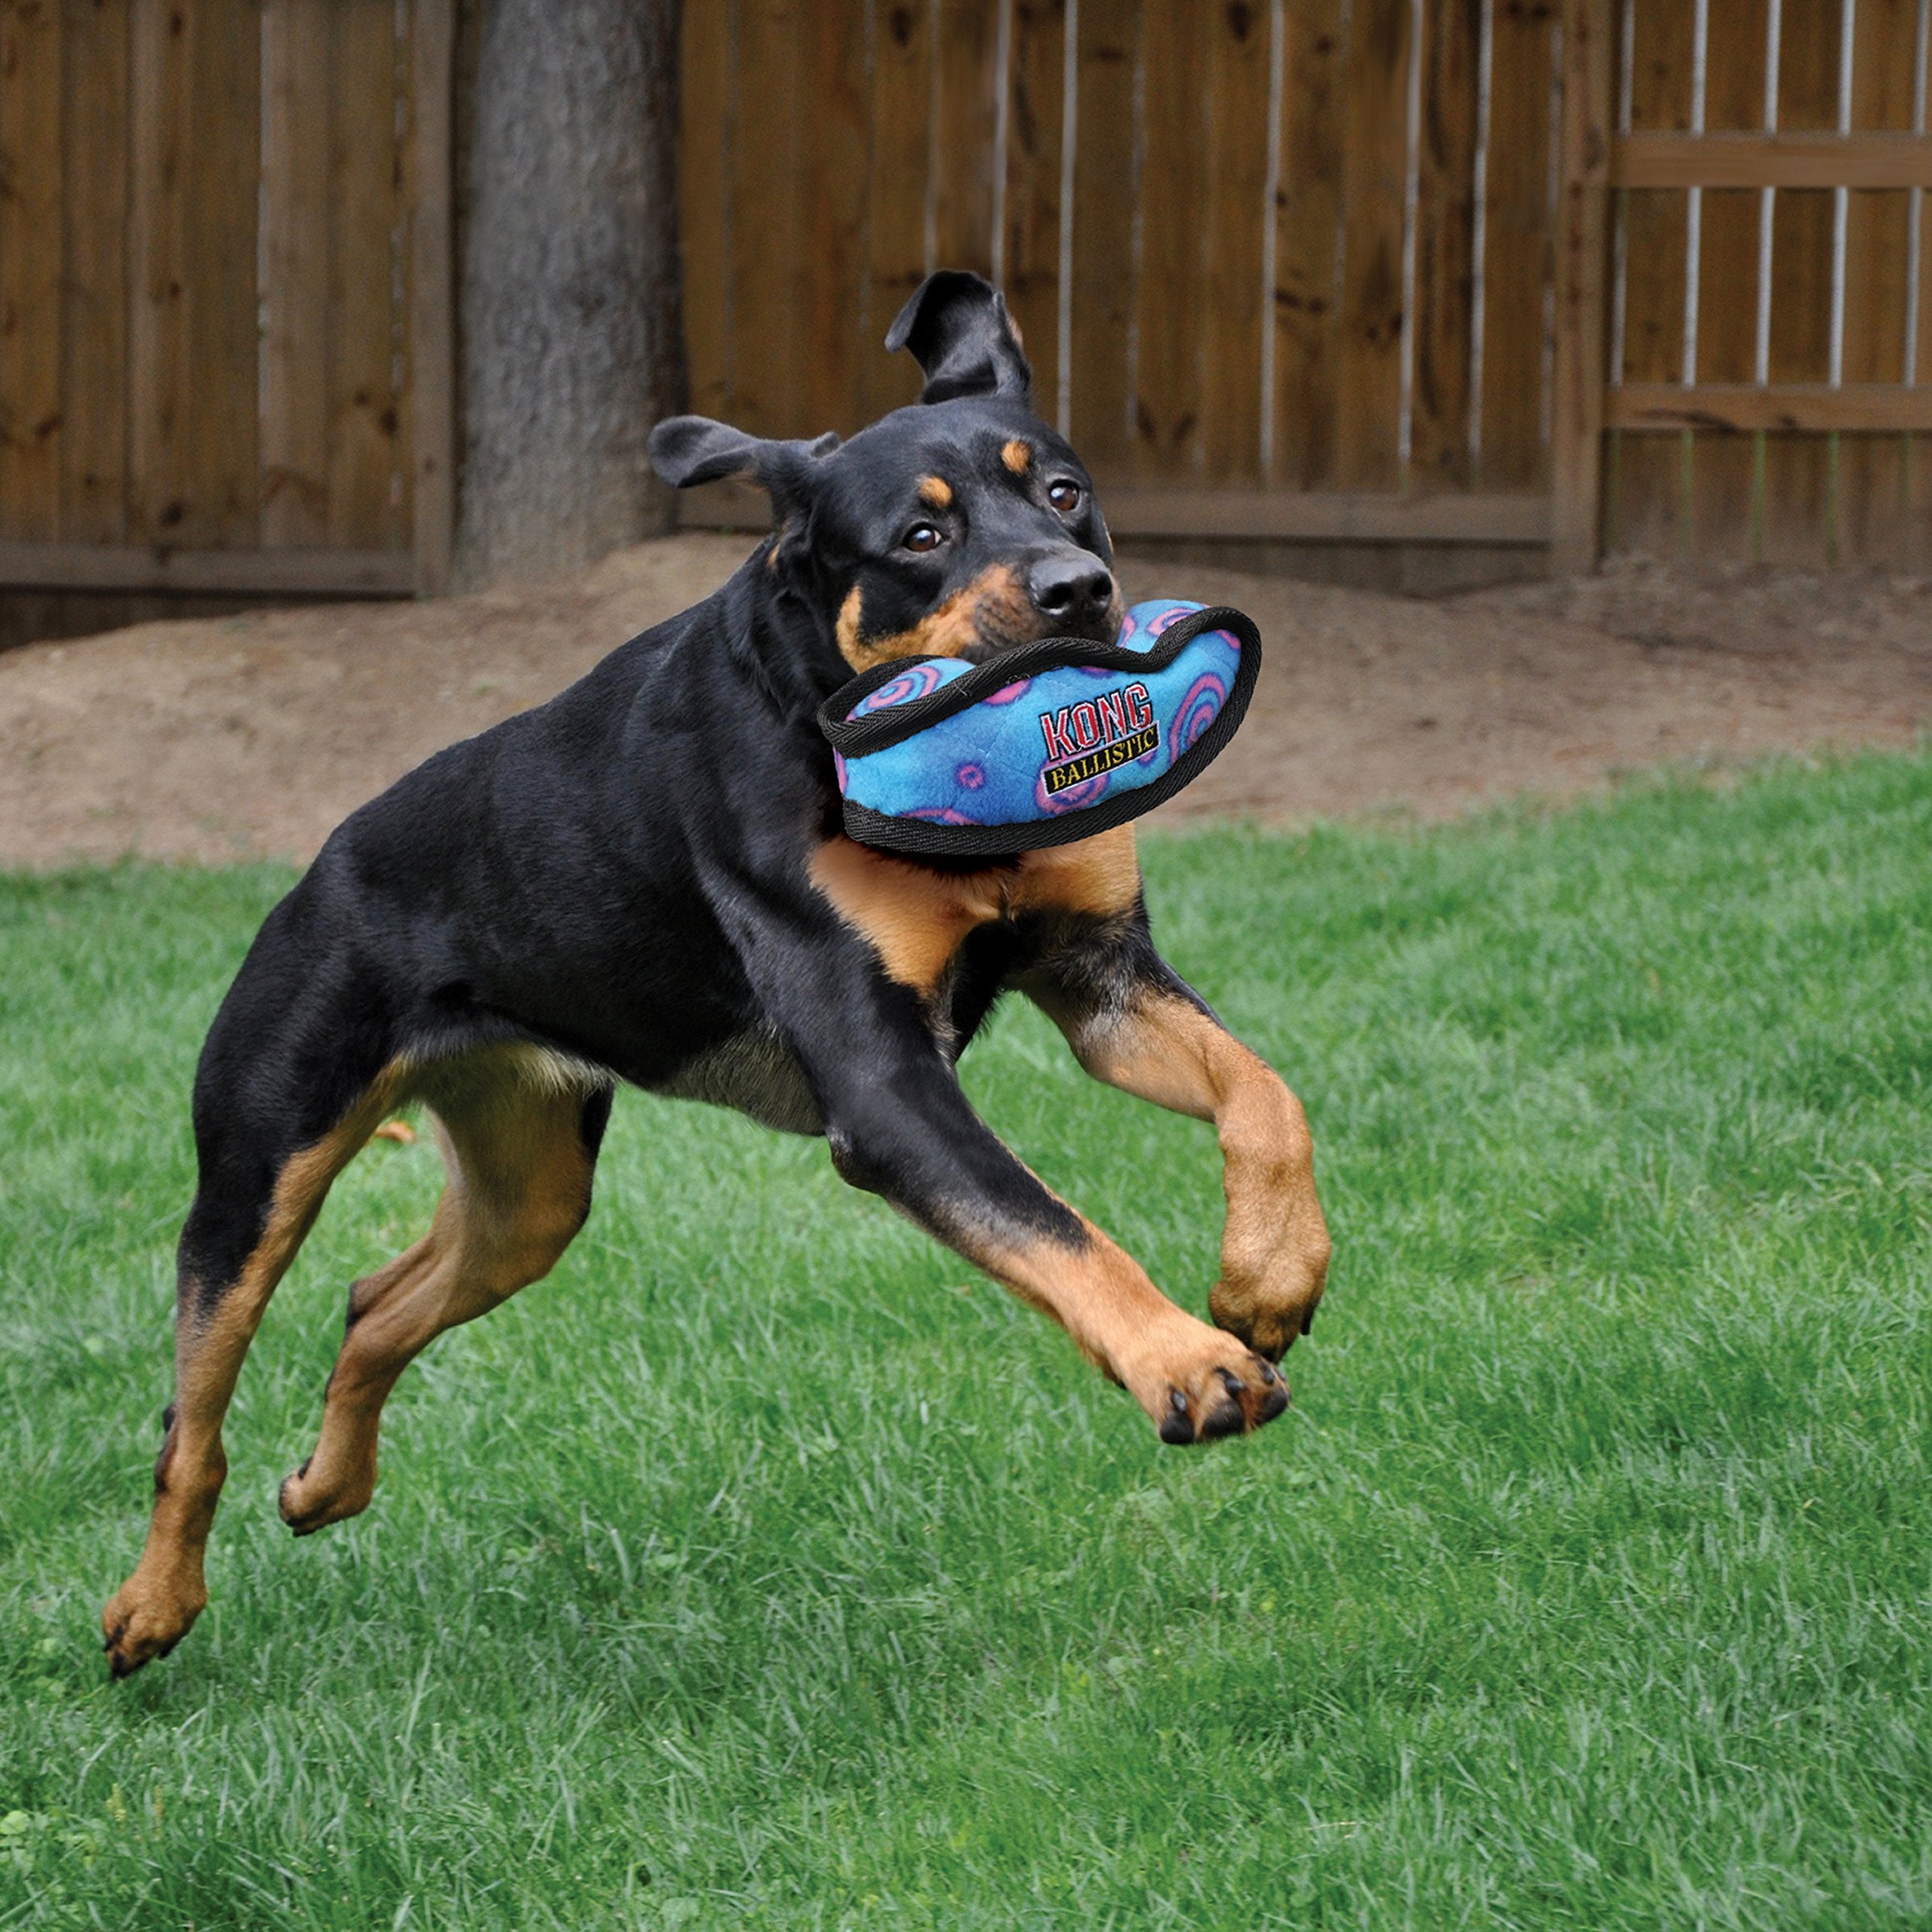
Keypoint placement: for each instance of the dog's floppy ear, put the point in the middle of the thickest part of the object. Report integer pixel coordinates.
(686, 450)
(958, 329)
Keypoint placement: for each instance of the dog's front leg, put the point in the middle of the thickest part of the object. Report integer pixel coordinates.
(1134, 1023)
(900, 1125)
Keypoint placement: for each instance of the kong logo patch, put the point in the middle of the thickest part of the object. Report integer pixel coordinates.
(1099, 734)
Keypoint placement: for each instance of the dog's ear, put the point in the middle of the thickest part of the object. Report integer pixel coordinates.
(686, 450)
(958, 329)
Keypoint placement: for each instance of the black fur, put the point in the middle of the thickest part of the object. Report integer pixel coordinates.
(621, 874)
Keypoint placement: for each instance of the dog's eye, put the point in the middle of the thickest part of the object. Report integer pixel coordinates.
(923, 536)
(1064, 496)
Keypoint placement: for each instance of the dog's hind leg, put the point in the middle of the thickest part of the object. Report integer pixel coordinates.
(519, 1136)
(252, 1210)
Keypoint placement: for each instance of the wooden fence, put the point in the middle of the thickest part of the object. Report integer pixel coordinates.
(225, 294)
(1283, 270)
(1506, 272)
(1371, 270)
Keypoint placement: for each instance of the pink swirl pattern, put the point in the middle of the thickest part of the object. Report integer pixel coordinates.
(1199, 709)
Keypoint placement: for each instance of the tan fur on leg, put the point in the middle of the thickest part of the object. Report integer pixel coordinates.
(1194, 1382)
(151, 1613)
(518, 1191)
(1274, 1246)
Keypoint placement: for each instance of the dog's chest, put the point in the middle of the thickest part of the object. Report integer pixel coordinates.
(920, 921)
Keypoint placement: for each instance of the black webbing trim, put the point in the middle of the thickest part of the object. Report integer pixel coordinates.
(854, 737)
(927, 838)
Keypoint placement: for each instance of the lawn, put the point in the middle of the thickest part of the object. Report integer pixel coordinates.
(764, 1564)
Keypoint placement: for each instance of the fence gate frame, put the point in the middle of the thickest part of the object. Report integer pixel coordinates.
(1858, 85)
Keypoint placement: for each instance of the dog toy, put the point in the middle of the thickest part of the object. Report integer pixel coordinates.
(1051, 741)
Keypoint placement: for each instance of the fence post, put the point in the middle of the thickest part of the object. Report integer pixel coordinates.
(1582, 293)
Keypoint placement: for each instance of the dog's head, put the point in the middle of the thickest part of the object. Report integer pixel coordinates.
(959, 527)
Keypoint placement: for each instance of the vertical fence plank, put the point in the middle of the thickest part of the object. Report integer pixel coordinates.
(1308, 217)
(93, 334)
(1917, 454)
(221, 163)
(1169, 320)
(362, 405)
(966, 110)
(705, 212)
(1660, 59)
(1582, 235)
(1375, 165)
(1104, 184)
(432, 372)
(1032, 162)
(296, 73)
(1800, 509)
(1235, 127)
(1918, 458)
(765, 219)
(1650, 469)
(158, 389)
(1721, 522)
(1517, 256)
(30, 270)
(193, 445)
(1873, 511)
(896, 198)
(1735, 63)
(1444, 245)
(833, 229)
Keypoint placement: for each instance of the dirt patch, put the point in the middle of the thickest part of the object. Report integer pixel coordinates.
(240, 736)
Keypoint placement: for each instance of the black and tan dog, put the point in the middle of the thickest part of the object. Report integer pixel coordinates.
(644, 880)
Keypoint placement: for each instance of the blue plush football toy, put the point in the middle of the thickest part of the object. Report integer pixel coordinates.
(1051, 741)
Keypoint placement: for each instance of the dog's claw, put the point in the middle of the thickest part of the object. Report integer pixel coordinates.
(1176, 1427)
(1226, 1419)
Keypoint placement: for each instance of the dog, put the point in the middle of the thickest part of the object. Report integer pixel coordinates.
(645, 880)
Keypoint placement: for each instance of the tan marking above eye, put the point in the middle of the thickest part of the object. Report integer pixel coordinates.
(936, 492)
(1017, 456)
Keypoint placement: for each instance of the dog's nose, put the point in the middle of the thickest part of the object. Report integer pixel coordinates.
(1073, 591)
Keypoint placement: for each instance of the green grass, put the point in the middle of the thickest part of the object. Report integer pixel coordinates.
(764, 1564)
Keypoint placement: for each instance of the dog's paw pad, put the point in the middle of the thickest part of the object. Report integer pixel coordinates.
(1220, 1401)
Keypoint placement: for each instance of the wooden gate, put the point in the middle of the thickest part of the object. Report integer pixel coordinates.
(1772, 292)
(225, 294)
(1286, 270)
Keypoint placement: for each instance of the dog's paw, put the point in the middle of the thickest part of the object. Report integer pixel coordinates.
(145, 1619)
(1203, 1384)
(1268, 1299)
(1269, 1323)
(309, 1502)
